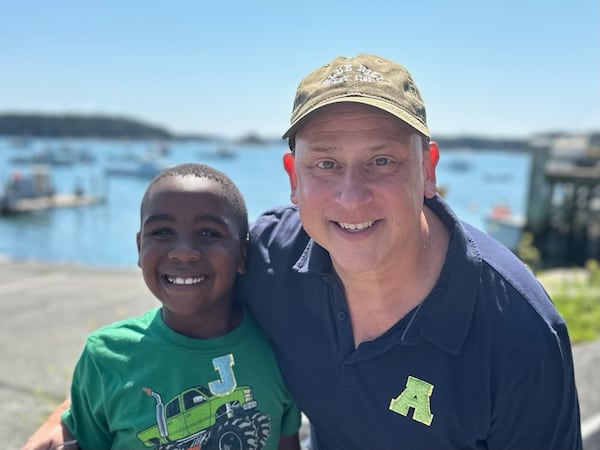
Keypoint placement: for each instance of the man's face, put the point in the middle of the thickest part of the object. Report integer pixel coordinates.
(360, 178)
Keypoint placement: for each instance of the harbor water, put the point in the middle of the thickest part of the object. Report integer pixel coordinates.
(473, 181)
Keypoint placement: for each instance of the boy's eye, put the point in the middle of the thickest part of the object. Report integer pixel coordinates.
(209, 233)
(161, 232)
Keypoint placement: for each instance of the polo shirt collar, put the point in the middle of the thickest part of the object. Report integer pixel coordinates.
(444, 317)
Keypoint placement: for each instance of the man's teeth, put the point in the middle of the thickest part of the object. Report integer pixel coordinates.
(182, 281)
(356, 226)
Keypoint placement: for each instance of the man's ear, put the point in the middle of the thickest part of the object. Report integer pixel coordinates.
(430, 162)
(288, 165)
(138, 243)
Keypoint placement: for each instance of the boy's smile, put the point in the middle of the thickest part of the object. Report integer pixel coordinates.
(183, 281)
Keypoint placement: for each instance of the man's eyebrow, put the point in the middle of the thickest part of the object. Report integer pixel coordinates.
(331, 148)
(320, 148)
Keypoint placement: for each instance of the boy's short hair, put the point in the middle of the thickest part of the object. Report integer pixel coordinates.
(230, 191)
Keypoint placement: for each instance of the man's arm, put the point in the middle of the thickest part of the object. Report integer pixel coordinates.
(52, 433)
(289, 442)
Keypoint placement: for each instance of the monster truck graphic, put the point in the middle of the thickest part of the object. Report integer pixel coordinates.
(198, 419)
(222, 416)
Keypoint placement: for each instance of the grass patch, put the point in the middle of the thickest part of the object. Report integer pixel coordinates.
(576, 295)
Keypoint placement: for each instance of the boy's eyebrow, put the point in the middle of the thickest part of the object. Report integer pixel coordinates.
(211, 218)
(199, 218)
(157, 218)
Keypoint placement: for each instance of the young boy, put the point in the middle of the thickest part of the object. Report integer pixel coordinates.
(196, 372)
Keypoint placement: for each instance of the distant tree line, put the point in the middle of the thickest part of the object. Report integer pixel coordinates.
(77, 126)
(99, 126)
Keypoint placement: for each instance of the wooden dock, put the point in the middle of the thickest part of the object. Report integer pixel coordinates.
(563, 208)
(26, 205)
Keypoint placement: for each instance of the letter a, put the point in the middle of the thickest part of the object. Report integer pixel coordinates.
(416, 395)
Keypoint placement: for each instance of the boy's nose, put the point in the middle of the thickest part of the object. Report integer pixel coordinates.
(183, 251)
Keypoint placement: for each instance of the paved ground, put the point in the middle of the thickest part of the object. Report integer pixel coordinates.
(47, 310)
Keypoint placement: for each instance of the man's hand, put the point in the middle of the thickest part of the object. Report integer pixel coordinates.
(52, 434)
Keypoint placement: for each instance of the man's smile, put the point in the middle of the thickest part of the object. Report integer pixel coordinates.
(356, 226)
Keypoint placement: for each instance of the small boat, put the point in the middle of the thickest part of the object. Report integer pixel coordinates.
(504, 226)
(34, 191)
(60, 156)
(226, 152)
(503, 177)
(458, 165)
(222, 152)
(141, 167)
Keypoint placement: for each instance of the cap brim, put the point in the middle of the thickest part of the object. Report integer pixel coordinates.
(378, 103)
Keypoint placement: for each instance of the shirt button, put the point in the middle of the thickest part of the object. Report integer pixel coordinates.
(341, 315)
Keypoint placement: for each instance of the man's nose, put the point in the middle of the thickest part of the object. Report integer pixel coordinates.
(354, 188)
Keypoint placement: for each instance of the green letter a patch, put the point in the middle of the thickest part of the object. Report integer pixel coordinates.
(416, 395)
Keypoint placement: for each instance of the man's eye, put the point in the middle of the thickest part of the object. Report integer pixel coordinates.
(326, 164)
(381, 161)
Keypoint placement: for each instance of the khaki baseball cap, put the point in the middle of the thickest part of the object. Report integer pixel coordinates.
(367, 79)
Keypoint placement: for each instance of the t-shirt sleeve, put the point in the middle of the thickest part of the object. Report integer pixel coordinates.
(290, 422)
(86, 417)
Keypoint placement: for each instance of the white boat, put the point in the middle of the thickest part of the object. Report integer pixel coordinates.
(60, 156)
(504, 226)
(222, 152)
(143, 167)
(34, 191)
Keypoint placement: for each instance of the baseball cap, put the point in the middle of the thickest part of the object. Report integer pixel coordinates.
(368, 79)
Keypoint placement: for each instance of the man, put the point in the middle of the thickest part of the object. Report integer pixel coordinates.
(396, 325)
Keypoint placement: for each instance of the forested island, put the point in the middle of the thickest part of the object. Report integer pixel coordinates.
(112, 127)
(78, 126)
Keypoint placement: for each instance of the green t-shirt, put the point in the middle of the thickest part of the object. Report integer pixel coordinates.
(138, 384)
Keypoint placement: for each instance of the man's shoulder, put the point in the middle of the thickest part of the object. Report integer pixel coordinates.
(505, 263)
(517, 293)
(278, 229)
(285, 216)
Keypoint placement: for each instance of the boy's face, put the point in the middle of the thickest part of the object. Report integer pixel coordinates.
(190, 251)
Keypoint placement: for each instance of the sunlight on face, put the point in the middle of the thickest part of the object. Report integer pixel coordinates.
(361, 180)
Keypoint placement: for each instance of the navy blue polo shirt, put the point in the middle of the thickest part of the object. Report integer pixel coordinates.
(483, 362)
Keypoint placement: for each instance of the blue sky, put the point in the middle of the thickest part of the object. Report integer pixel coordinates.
(508, 69)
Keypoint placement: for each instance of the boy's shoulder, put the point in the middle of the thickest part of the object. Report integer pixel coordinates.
(128, 327)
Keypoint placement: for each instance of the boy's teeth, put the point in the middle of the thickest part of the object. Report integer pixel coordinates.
(182, 281)
(356, 226)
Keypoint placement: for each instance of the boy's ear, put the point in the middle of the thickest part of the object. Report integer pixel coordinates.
(430, 162)
(138, 243)
(288, 165)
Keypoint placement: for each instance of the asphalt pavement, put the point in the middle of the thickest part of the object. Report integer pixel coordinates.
(47, 310)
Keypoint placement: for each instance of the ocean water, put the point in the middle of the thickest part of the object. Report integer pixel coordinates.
(104, 235)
